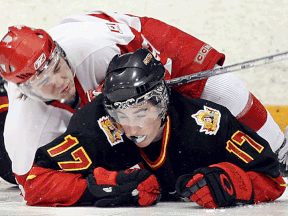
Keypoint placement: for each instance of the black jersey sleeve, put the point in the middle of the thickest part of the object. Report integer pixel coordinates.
(211, 132)
(89, 142)
(248, 150)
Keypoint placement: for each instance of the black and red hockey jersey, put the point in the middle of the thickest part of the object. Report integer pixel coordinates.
(198, 133)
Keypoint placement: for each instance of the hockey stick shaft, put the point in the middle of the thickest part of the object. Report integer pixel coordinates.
(227, 69)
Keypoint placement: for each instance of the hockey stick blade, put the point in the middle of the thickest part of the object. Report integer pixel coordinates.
(227, 69)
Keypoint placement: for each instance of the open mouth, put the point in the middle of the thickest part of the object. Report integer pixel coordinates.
(138, 139)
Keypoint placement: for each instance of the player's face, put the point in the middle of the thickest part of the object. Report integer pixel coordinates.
(57, 82)
(141, 124)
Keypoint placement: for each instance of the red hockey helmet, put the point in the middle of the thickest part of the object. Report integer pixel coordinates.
(23, 50)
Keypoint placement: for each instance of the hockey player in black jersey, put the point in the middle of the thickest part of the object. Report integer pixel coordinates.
(90, 165)
(192, 145)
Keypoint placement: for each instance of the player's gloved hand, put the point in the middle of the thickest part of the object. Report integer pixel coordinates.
(123, 188)
(218, 185)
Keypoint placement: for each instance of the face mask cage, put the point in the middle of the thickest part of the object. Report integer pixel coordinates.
(43, 74)
(158, 97)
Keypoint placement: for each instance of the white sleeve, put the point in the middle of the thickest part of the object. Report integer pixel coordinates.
(90, 46)
(30, 124)
(97, 64)
(227, 90)
(131, 21)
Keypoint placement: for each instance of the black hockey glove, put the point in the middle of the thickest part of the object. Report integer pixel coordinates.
(222, 184)
(132, 187)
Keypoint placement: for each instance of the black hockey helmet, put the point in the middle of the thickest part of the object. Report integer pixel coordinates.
(131, 75)
(134, 78)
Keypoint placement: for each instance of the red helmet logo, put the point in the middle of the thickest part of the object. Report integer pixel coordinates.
(39, 61)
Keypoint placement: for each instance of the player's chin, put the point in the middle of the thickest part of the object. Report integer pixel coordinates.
(65, 97)
(68, 95)
(143, 144)
(141, 140)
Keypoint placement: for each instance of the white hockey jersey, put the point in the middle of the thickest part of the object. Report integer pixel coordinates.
(90, 43)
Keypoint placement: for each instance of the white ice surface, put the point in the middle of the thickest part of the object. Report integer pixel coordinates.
(242, 29)
(11, 203)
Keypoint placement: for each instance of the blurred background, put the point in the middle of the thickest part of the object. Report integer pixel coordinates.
(241, 29)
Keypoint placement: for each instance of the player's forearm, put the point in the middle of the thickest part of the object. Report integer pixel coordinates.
(181, 47)
(46, 187)
(188, 54)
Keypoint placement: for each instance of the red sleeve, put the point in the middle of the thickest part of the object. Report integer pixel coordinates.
(266, 188)
(189, 55)
(46, 187)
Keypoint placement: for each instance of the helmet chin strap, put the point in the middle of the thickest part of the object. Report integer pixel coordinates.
(163, 119)
(70, 101)
(64, 55)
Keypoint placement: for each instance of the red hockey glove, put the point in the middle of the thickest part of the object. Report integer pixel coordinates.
(123, 188)
(222, 184)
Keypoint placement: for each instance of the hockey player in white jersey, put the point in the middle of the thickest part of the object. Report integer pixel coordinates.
(52, 75)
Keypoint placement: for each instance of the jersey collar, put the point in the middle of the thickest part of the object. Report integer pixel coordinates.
(163, 154)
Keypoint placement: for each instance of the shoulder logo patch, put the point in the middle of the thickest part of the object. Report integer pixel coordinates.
(203, 52)
(113, 132)
(208, 119)
(114, 28)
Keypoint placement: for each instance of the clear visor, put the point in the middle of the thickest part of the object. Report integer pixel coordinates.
(142, 110)
(32, 87)
(136, 116)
